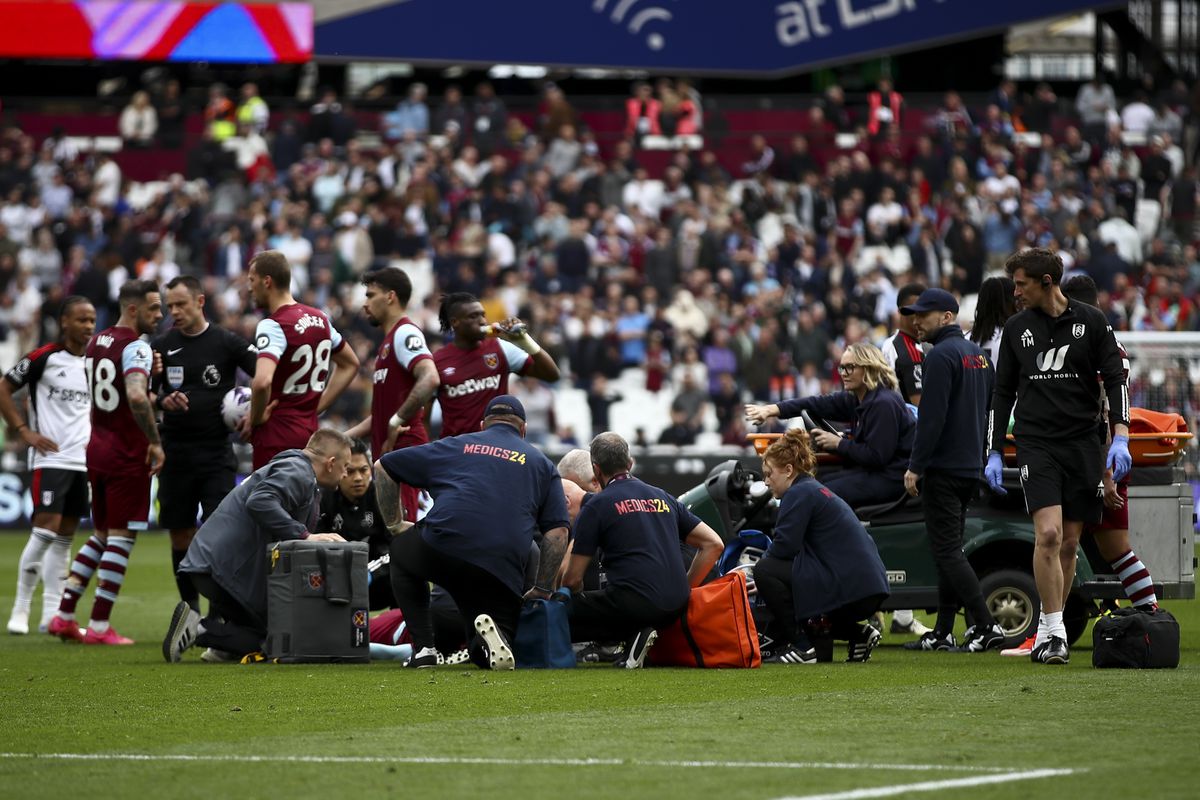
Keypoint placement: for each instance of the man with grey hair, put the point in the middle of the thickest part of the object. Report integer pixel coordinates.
(579, 484)
(576, 466)
(227, 559)
(639, 527)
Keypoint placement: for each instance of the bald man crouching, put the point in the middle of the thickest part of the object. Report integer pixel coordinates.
(639, 528)
(227, 559)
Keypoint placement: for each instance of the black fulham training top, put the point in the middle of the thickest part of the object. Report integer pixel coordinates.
(1050, 364)
(360, 521)
(203, 367)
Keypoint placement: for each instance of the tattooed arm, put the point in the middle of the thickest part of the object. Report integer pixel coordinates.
(554, 547)
(137, 392)
(387, 494)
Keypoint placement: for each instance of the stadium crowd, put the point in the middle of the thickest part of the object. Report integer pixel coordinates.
(721, 279)
(724, 285)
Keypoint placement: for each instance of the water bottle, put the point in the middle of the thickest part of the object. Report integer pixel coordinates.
(493, 329)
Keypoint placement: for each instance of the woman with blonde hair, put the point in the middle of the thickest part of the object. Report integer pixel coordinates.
(875, 453)
(822, 575)
(139, 121)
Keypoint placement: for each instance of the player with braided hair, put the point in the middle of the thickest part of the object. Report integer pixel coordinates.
(473, 368)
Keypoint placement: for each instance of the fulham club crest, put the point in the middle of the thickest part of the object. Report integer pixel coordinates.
(1078, 329)
(491, 360)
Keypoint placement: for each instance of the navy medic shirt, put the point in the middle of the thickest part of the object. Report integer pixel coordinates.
(639, 528)
(492, 492)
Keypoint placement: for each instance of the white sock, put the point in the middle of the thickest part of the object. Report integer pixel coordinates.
(100, 626)
(54, 575)
(1054, 622)
(1043, 631)
(29, 570)
(903, 616)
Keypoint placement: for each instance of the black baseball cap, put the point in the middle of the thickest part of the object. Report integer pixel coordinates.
(932, 300)
(505, 404)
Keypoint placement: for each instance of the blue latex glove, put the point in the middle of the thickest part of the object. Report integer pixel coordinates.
(1119, 460)
(994, 472)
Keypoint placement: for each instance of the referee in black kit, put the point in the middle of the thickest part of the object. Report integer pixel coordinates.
(1048, 359)
(199, 363)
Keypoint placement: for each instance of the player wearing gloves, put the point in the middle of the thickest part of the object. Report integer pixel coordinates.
(1049, 357)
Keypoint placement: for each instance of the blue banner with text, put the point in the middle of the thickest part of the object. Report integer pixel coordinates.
(713, 36)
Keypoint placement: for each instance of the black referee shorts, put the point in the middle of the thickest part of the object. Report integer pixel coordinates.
(194, 477)
(1063, 472)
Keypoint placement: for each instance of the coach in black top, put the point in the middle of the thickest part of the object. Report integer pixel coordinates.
(946, 459)
(352, 511)
(492, 491)
(199, 365)
(1048, 359)
(639, 527)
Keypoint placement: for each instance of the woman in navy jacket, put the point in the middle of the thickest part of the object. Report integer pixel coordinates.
(882, 427)
(822, 572)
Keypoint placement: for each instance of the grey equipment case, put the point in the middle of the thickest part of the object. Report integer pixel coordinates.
(317, 602)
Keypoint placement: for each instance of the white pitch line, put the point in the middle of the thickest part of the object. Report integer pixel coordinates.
(496, 762)
(935, 786)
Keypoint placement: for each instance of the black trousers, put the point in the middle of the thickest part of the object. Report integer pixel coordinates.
(615, 614)
(945, 498)
(861, 488)
(416, 564)
(773, 578)
(229, 626)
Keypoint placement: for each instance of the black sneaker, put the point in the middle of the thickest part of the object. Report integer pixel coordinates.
(639, 645)
(595, 653)
(930, 642)
(791, 654)
(978, 638)
(426, 657)
(1052, 651)
(182, 632)
(859, 648)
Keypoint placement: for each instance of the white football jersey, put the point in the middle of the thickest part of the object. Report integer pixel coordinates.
(60, 404)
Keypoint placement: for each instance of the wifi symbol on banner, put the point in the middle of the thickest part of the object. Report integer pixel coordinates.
(654, 41)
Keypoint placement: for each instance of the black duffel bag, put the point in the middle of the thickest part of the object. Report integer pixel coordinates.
(1130, 638)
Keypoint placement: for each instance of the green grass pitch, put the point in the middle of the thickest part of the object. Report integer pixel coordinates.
(119, 722)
